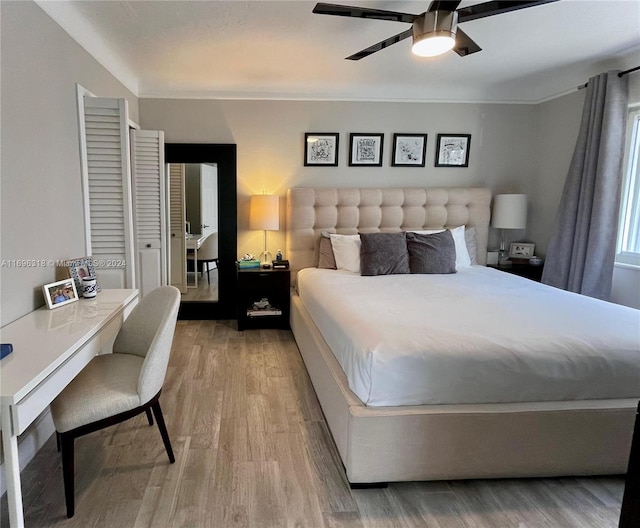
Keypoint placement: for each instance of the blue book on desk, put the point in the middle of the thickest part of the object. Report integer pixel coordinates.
(5, 349)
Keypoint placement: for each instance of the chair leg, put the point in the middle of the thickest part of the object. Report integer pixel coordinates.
(208, 278)
(68, 470)
(149, 416)
(58, 441)
(163, 430)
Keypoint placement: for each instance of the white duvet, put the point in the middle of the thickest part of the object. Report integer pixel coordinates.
(476, 336)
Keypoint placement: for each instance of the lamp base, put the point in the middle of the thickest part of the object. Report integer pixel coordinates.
(266, 263)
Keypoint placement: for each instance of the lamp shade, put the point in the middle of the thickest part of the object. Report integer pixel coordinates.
(264, 212)
(509, 211)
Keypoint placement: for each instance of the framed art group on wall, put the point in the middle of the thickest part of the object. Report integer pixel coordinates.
(366, 149)
(409, 150)
(452, 150)
(321, 149)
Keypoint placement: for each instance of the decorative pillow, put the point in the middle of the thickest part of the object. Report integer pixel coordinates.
(434, 253)
(346, 249)
(383, 254)
(326, 259)
(462, 254)
(472, 244)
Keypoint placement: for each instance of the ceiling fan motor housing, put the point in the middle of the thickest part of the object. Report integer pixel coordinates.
(433, 24)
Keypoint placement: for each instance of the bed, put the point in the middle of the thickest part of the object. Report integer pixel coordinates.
(513, 417)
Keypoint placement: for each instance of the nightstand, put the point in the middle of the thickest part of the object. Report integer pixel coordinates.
(256, 284)
(527, 271)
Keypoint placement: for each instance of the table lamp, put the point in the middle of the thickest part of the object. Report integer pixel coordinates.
(509, 212)
(264, 213)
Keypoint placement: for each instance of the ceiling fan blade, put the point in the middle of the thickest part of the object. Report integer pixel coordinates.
(381, 45)
(444, 5)
(362, 12)
(465, 44)
(496, 7)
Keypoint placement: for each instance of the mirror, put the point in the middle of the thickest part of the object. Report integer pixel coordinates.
(193, 194)
(207, 239)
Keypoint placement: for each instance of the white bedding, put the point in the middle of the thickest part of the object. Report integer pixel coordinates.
(477, 336)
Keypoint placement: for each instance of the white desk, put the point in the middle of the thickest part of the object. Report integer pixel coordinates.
(50, 348)
(195, 243)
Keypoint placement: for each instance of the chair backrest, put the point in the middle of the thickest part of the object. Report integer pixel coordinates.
(148, 332)
(209, 248)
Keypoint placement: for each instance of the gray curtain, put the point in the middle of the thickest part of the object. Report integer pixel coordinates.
(581, 251)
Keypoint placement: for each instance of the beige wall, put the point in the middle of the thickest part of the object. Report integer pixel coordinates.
(270, 139)
(556, 129)
(41, 201)
(514, 148)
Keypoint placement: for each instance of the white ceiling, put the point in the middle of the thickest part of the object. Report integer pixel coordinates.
(281, 50)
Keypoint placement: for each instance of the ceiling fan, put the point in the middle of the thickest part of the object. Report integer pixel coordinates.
(436, 30)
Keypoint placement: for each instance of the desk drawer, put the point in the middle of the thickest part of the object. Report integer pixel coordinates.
(34, 403)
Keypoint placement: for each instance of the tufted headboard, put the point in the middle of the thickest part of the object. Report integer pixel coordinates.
(369, 210)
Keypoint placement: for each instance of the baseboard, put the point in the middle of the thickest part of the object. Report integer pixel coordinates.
(29, 443)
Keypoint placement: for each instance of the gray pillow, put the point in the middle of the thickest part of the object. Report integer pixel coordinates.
(326, 258)
(383, 254)
(434, 253)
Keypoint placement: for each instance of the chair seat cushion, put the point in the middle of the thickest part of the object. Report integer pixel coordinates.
(105, 387)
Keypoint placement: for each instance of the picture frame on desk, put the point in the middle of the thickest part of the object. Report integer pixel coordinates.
(80, 268)
(60, 293)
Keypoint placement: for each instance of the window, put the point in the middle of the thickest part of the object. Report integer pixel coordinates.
(628, 251)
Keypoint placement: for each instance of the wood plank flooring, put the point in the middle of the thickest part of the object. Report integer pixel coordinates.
(252, 450)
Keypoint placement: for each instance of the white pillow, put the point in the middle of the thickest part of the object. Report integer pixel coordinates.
(462, 254)
(346, 249)
(472, 244)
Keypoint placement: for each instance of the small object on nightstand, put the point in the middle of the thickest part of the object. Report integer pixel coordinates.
(535, 261)
(248, 264)
(279, 255)
(492, 258)
(280, 264)
(261, 304)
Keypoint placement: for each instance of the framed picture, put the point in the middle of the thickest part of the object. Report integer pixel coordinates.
(409, 150)
(453, 150)
(60, 293)
(321, 149)
(79, 269)
(521, 250)
(365, 150)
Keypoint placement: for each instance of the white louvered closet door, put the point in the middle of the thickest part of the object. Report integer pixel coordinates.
(149, 206)
(104, 137)
(177, 227)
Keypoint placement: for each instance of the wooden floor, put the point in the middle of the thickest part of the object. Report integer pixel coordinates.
(252, 449)
(207, 290)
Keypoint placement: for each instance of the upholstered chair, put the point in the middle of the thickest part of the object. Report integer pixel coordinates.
(115, 387)
(207, 254)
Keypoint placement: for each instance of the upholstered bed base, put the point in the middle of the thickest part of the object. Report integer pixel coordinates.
(436, 442)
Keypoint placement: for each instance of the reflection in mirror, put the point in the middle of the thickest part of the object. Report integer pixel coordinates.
(220, 233)
(193, 200)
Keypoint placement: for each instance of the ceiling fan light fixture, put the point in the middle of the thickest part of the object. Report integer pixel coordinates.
(434, 33)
